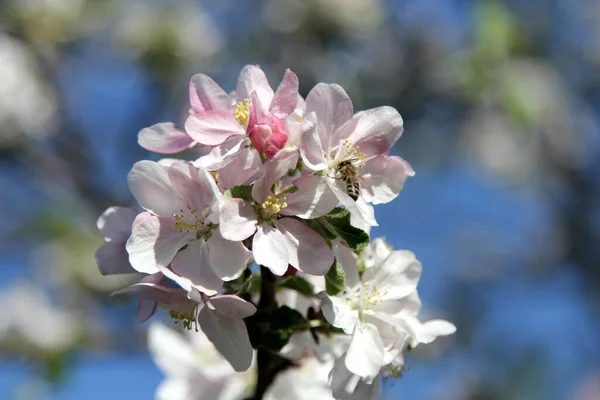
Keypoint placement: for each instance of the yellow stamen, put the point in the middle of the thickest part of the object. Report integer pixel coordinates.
(242, 112)
(189, 222)
(352, 152)
(274, 204)
(189, 319)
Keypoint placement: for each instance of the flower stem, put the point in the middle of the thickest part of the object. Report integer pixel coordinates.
(268, 364)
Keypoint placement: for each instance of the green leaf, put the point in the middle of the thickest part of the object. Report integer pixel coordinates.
(239, 192)
(272, 330)
(335, 279)
(299, 284)
(337, 223)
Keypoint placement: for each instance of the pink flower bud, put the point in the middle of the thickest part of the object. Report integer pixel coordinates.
(268, 138)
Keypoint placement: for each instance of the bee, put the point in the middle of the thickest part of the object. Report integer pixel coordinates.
(348, 173)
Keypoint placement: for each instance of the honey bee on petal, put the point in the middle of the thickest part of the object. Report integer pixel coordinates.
(348, 173)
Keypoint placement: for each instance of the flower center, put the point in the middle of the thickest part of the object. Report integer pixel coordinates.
(351, 153)
(274, 204)
(365, 296)
(242, 112)
(392, 371)
(188, 318)
(188, 220)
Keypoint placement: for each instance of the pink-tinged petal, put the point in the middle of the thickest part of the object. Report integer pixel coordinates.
(115, 223)
(195, 188)
(232, 306)
(375, 130)
(146, 309)
(227, 258)
(293, 128)
(237, 219)
(308, 251)
(332, 107)
(365, 354)
(313, 199)
(383, 178)
(193, 264)
(230, 337)
(112, 259)
(359, 208)
(311, 149)
(269, 247)
(273, 170)
(153, 292)
(243, 170)
(397, 276)
(213, 127)
(164, 138)
(154, 240)
(338, 313)
(206, 95)
(349, 262)
(223, 154)
(286, 97)
(253, 79)
(149, 182)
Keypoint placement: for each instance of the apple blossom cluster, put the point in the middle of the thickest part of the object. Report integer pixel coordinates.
(258, 235)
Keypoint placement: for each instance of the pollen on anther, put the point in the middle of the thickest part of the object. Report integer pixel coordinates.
(242, 112)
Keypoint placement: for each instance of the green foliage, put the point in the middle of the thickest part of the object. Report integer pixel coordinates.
(299, 284)
(272, 330)
(239, 192)
(336, 224)
(335, 279)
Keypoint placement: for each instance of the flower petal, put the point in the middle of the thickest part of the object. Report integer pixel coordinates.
(146, 309)
(269, 247)
(397, 276)
(207, 95)
(228, 259)
(115, 223)
(154, 240)
(338, 313)
(149, 182)
(286, 97)
(375, 131)
(308, 251)
(112, 259)
(171, 352)
(193, 264)
(243, 170)
(430, 330)
(359, 208)
(164, 138)
(232, 306)
(230, 337)
(195, 188)
(313, 199)
(253, 79)
(383, 178)
(237, 219)
(365, 354)
(332, 107)
(349, 262)
(213, 127)
(274, 170)
(223, 154)
(311, 149)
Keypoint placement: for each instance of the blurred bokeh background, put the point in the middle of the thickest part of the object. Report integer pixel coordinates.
(501, 102)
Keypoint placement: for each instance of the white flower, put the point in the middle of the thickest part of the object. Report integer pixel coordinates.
(194, 369)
